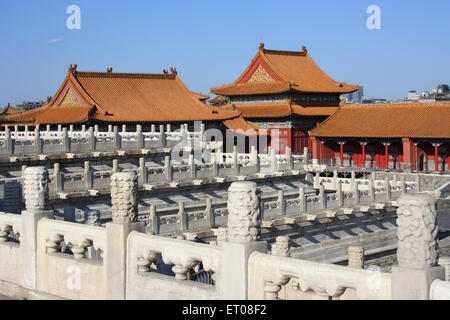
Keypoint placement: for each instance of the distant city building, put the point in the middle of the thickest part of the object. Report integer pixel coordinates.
(28, 105)
(441, 93)
(370, 100)
(354, 97)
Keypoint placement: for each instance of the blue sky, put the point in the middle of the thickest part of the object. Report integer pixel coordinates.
(211, 42)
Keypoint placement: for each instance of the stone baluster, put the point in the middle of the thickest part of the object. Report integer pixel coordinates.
(145, 261)
(355, 257)
(418, 186)
(4, 233)
(92, 218)
(53, 244)
(418, 251)
(143, 171)
(88, 175)
(168, 169)
(253, 155)
(182, 217)
(79, 250)
(58, 177)
(302, 199)
(210, 216)
(221, 235)
(281, 203)
(152, 128)
(271, 291)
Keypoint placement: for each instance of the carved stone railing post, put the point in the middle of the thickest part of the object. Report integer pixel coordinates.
(162, 136)
(356, 193)
(124, 192)
(322, 197)
(281, 247)
(183, 222)
(289, 158)
(88, 175)
(115, 165)
(192, 167)
(58, 178)
(417, 252)
(210, 216)
(387, 188)
(403, 183)
(282, 203)
(154, 220)
(339, 195)
(65, 141)
(139, 137)
(356, 257)
(143, 171)
(302, 199)
(371, 190)
(92, 139)
(35, 185)
(243, 233)
(168, 169)
(37, 140)
(9, 145)
(117, 138)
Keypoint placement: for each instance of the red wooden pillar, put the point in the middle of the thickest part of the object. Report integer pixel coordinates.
(386, 152)
(321, 152)
(341, 144)
(363, 154)
(414, 157)
(315, 149)
(436, 158)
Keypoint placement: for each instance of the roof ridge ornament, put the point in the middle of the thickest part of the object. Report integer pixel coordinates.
(73, 69)
(49, 98)
(173, 71)
(109, 70)
(261, 46)
(165, 71)
(304, 50)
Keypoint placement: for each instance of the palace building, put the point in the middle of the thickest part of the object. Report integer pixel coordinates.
(107, 98)
(286, 93)
(406, 136)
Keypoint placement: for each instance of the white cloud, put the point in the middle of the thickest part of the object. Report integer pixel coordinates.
(54, 40)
